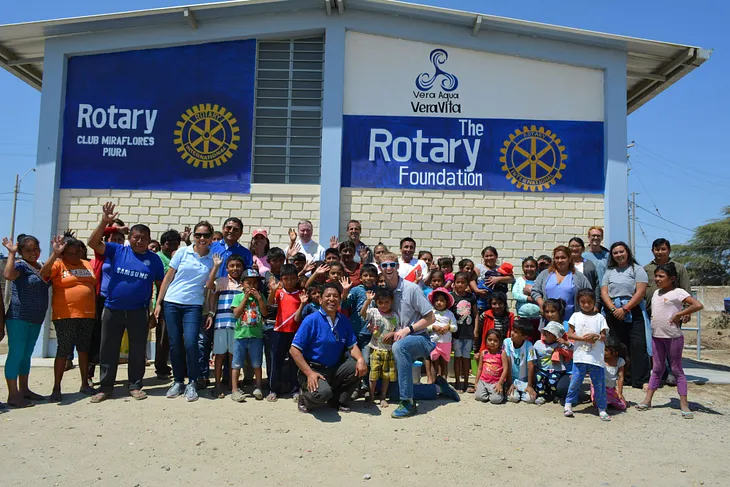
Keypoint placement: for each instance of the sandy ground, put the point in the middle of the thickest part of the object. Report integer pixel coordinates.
(161, 441)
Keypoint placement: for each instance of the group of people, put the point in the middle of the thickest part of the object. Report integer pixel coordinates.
(334, 324)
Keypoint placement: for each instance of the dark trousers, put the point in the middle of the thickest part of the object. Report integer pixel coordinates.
(337, 387)
(205, 347)
(162, 348)
(633, 335)
(268, 338)
(281, 370)
(113, 324)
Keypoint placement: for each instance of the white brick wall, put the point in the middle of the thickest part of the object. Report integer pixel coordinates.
(462, 223)
(446, 222)
(273, 207)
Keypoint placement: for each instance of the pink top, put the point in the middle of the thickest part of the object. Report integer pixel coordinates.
(491, 367)
(263, 264)
(663, 307)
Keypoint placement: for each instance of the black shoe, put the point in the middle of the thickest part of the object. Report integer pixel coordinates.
(201, 384)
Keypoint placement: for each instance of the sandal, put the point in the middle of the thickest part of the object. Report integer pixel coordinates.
(85, 389)
(260, 395)
(643, 407)
(272, 397)
(238, 396)
(56, 396)
(603, 415)
(33, 396)
(20, 403)
(138, 394)
(218, 393)
(301, 405)
(100, 397)
(687, 415)
(470, 390)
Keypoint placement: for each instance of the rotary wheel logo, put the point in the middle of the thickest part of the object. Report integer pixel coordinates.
(206, 136)
(533, 158)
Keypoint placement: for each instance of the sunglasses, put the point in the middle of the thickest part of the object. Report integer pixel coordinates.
(386, 265)
(202, 235)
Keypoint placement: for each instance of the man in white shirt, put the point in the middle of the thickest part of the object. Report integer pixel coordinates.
(410, 268)
(301, 241)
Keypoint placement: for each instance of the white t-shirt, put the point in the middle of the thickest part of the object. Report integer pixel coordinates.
(584, 352)
(663, 307)
(579, 267)
(312, 250)
(405, 268)
(612, 373)
(445, 317)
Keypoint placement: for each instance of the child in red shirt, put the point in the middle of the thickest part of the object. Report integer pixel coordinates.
(287, 298)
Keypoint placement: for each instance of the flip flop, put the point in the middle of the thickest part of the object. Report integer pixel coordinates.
(138, 394)
(56, 396)
(100, 397)
(272, 397)
(643, 407)
(33, 396)
(687, 415)
(301, 405)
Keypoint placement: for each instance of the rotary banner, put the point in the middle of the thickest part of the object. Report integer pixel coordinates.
(176, 119)
(421, 116)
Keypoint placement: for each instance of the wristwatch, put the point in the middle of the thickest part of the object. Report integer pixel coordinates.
(211, 313)
(410, 327)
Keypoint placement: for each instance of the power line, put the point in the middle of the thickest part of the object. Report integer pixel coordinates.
(683, 166)
(648, 193)
(662, 218)
(675, 179)
(660, 228)
(16, 154)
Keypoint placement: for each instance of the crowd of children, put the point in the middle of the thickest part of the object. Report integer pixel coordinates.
(531, 355)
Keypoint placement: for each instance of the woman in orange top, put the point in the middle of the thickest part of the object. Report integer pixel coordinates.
(73, 307)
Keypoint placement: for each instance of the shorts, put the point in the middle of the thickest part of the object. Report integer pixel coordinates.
(223, 341)
(253, 348)
(73, 331)
(442, 350)
(462, 347)
(382, 365)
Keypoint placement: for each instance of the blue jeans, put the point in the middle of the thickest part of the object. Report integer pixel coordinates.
(183, 324)
(405, 352)
(205, 347)
(21, 341)
(598, 379)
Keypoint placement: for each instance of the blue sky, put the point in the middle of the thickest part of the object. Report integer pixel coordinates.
(678, 164)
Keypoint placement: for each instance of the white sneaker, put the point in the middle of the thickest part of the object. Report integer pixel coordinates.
(568, 413)
(191, 393)
(540, 401)
(175, 390)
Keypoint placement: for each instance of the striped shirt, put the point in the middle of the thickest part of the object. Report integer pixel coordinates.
(227, 289)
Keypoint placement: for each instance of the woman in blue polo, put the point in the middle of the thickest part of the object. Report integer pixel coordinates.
(326, 373)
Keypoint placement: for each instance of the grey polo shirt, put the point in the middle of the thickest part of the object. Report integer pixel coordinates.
(410, 303)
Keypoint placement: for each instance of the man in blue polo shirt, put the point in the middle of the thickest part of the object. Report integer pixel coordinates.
(134, 270)
(232, 230)
(326, 373)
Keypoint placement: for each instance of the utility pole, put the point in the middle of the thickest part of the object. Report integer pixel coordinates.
(16, 191)
(633, 222)
(632, 207)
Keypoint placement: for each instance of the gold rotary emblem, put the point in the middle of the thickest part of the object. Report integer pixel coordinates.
(207, 135)
(533, 158)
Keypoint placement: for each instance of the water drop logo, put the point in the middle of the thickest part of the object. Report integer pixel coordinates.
(449, 82)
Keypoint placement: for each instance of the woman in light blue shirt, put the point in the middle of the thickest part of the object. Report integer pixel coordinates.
(181, 299)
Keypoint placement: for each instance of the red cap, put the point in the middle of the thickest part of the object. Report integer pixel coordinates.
(506, 269)
(260, 231)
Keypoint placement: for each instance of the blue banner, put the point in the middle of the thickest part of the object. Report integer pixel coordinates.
(472, 154)
(175, 119)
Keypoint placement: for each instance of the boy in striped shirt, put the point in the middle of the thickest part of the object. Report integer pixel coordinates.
(221, 298)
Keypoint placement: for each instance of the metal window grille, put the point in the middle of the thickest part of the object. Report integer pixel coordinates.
(288, 116)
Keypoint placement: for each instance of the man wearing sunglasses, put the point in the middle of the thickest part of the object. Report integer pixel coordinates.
(411, 341)
(232, 231)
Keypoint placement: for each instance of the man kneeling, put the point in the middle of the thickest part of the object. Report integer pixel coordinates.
(327, 375)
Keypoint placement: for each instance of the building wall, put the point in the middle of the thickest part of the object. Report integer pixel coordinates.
(273, 207)
(462, 223)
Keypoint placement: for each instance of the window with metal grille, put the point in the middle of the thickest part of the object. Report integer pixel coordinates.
(288, 118)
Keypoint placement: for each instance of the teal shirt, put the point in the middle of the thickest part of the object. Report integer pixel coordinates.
(355, 300)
